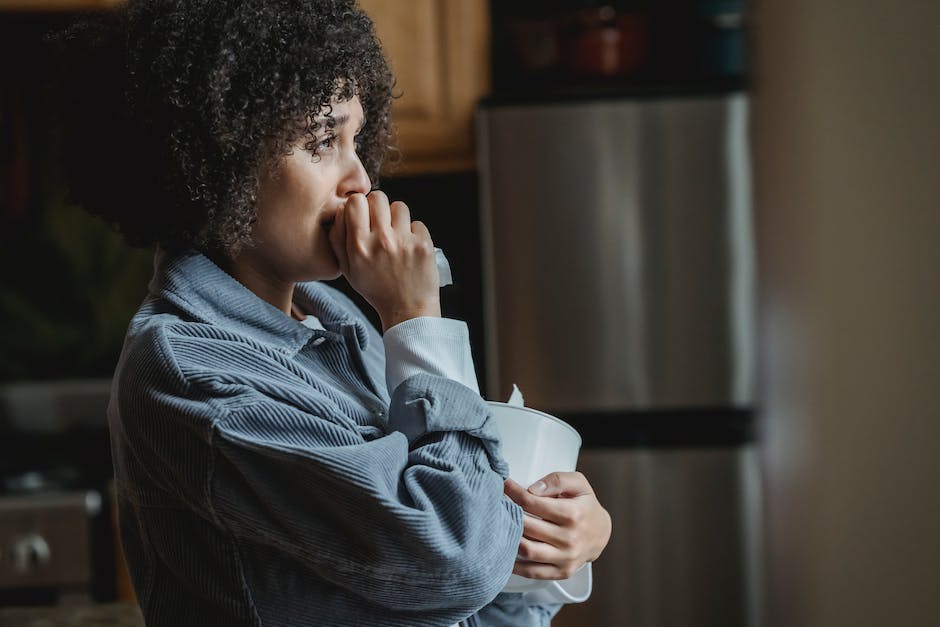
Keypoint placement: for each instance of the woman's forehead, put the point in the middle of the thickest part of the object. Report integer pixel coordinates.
(341, 112)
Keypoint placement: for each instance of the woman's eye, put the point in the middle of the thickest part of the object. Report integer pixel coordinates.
(327, 142)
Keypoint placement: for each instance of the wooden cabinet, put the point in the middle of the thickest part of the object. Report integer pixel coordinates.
(439, 53)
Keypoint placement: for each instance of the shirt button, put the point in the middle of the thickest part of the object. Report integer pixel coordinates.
(318, 341)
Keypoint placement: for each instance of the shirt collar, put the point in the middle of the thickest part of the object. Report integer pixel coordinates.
(196, 285)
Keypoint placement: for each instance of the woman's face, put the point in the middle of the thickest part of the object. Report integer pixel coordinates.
(297, 204)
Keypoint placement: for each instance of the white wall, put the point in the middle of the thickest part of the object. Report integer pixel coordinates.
(847, 157)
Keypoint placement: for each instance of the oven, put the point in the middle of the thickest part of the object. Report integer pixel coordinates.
(56, 536)
(46, 541)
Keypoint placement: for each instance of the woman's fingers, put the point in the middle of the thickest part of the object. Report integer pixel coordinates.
(538, 560)
(357, 220)
(546, 531)
(563, 484)
(535, 570)
(549, 508)
(418, 228)
(379, 211)
(539, 552)
(401, 217)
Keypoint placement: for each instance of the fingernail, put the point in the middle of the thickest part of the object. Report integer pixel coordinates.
(538, 487)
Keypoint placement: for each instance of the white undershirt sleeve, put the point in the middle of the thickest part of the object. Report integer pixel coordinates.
(426, 345)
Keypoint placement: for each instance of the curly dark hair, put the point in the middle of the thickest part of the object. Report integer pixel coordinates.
(175, 108)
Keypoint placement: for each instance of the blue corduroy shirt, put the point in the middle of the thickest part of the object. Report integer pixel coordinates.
(265, 476)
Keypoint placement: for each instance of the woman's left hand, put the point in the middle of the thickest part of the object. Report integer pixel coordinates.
(572, 527)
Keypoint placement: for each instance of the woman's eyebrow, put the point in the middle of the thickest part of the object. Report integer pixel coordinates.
(339, 121)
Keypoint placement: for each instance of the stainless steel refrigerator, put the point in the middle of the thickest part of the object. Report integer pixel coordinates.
(619, 295)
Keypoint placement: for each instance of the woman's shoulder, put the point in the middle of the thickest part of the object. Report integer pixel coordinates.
(164, 341)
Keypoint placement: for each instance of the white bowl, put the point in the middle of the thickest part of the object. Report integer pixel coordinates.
(534, 444)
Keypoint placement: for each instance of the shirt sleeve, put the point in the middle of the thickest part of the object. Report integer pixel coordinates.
(425, 345)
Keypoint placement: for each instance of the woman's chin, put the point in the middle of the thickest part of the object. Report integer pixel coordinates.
(320, 266)
(328, 269)
(332, 275)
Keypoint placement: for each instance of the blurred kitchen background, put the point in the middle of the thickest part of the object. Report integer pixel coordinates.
(705, 232)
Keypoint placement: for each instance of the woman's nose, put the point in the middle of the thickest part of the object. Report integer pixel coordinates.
(356, 179)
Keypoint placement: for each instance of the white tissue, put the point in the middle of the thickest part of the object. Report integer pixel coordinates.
(515, 399)
(443, 268)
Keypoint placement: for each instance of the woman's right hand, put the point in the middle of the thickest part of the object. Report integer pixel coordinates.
(387, 258)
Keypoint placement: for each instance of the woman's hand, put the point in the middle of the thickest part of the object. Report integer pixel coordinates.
(387, 258)
(572, 527)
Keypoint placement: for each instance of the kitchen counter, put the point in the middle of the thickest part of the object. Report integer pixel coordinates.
(104, 615)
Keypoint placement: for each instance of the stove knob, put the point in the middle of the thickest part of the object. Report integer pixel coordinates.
(29, 552)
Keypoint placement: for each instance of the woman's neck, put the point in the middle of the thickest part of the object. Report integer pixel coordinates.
(279, 293)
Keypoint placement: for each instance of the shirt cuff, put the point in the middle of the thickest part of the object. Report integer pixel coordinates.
(425, 404)
(426, 345)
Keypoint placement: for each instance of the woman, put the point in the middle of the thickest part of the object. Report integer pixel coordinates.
(277, 461)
